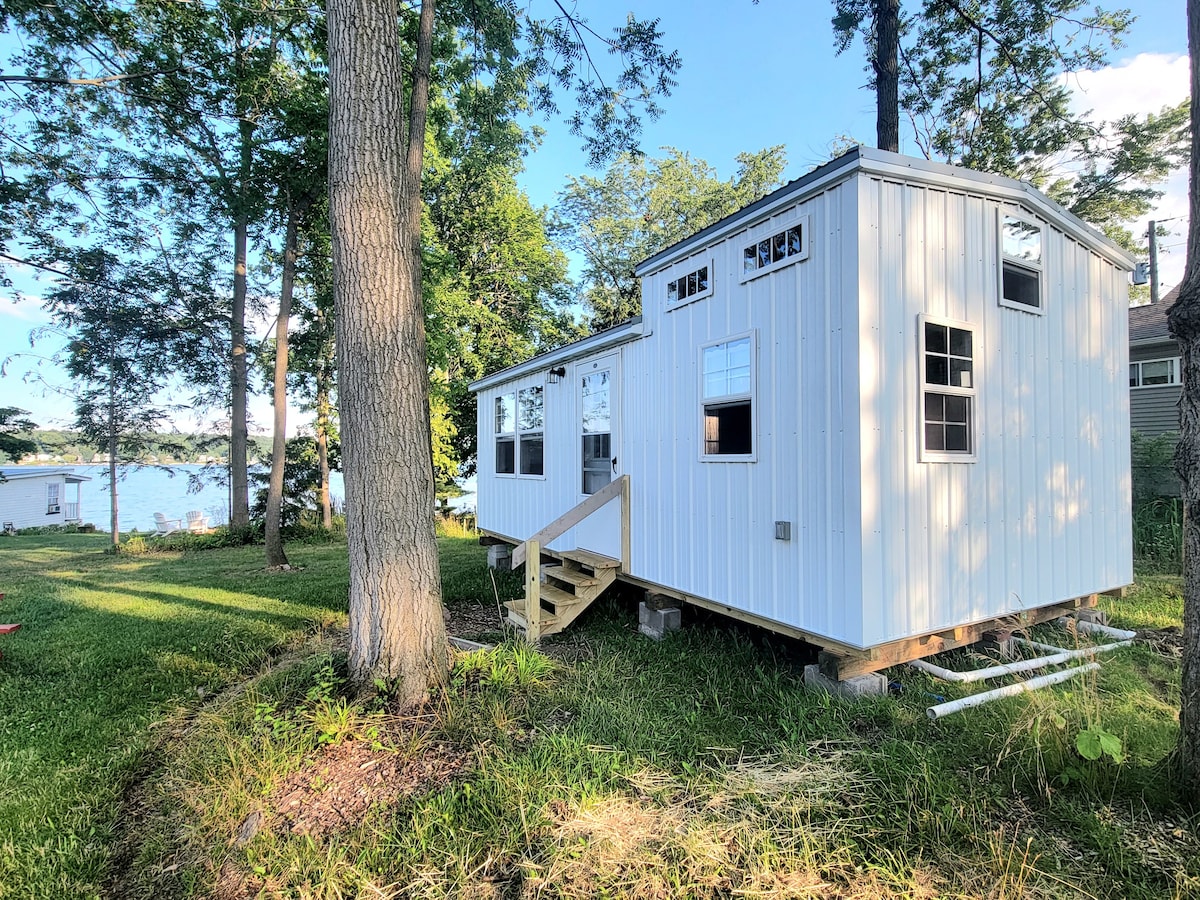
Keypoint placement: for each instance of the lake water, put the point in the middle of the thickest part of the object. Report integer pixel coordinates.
(143, 492)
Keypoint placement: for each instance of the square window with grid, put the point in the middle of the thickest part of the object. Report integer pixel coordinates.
(947, 391)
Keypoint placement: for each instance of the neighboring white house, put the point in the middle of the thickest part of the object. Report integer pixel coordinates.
(882, 407)
(31, 496)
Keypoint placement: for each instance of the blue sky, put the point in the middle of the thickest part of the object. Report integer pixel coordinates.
(753, 76)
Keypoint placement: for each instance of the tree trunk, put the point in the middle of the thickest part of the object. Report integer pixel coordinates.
(274, 523)
(323, 449)
(239, 487)
(114, 518)
(396, 627)
(887, 75)
(1184, 319)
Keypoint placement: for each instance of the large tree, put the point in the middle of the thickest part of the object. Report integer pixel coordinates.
(379, 98)
(166, 104)
(642, 205)
(1184, 318)
(983, 84)
(12, 425)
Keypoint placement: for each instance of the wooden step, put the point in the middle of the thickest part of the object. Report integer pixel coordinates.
(8, 629)
(516, 615)
(557, 598)
(571, 576)
(594, 560)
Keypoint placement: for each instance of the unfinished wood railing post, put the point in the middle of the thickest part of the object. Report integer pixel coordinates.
(533, 590)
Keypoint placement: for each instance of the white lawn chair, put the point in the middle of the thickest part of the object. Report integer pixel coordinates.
(164, 526)
(197, 522)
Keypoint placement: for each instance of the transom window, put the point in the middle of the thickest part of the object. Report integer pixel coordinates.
(947, 391)
(1154, 372)
(520, 431)
(1021, 263)
(780, 249)
(692, 286)
(727, 387)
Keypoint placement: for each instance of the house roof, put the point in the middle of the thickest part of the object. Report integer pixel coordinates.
(1148, 323)
(601, 340)
(11, 473)
(894, 165)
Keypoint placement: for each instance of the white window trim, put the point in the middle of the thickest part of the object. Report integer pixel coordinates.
(542, 431)
(1176, 374)
(971, 392)
(515, 434)
(498, 435)
(55, 506)
(1019, 262)
(767, 231)
(751, 395)
(692, 265)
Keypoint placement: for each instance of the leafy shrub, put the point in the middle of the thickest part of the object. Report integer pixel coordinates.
(1158, 534)
(133, 546)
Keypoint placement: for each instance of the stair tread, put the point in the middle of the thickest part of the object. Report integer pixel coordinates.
(557, 596)
(574, 576)
(595, 560)
(516, 614)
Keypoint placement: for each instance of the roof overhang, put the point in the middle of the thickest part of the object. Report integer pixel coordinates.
(612, 337)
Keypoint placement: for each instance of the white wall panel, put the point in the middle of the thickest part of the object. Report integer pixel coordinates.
(1042, 515)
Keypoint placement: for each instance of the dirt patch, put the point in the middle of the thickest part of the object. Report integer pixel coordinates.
(335, 789)
(474, 621)
(1166, 642)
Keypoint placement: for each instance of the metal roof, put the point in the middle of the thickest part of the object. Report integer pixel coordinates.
(887, 164)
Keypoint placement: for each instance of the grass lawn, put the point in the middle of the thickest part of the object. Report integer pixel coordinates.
(178, 726)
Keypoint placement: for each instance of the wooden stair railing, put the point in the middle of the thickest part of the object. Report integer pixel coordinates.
(570, 588)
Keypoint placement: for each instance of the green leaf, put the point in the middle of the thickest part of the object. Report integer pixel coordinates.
(1112, 746)
(1088, 744)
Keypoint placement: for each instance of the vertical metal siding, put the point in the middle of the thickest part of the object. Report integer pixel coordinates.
(1042, 514)
(707, 528)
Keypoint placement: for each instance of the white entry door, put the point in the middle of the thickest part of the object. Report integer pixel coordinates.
(598, 402)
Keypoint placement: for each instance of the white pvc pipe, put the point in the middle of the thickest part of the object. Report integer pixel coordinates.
(1059, 657)
(1075, 654)
(945, 709)
(1096, 628)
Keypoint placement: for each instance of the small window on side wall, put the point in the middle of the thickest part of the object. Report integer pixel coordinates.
(947, 364)
(1021, 263)
(506, 420)
(727, 390)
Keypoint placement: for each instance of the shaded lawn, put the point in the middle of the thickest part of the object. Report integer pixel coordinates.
(695, 767)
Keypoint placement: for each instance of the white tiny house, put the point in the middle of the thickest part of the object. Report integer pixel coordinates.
(34, 496)
(881, 408)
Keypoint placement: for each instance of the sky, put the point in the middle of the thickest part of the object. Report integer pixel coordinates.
(753, 76)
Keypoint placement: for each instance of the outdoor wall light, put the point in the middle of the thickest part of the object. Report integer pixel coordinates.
(557, 373)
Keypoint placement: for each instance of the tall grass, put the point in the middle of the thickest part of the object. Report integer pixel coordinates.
(1158, 535)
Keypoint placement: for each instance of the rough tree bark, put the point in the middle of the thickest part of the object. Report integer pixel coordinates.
(1184, 319)
(323, 450)
(396, 627)
(887, 75)
(274, 521)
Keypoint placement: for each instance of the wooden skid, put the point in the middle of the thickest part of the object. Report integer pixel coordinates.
(840, 666)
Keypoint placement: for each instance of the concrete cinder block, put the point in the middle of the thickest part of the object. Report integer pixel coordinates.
(500, 557)
(998, 643)
(655, 623)
(1090, 614)
(870, 685)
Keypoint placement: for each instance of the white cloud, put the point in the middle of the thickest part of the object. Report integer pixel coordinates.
(24, 309)
(1143, 84)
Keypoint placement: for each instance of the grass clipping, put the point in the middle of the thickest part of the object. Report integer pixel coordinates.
(750, 831)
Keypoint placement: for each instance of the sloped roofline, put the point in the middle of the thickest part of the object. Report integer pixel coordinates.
(905, 168)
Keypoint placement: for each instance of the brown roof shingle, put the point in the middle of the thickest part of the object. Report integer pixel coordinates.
(1149, 322)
